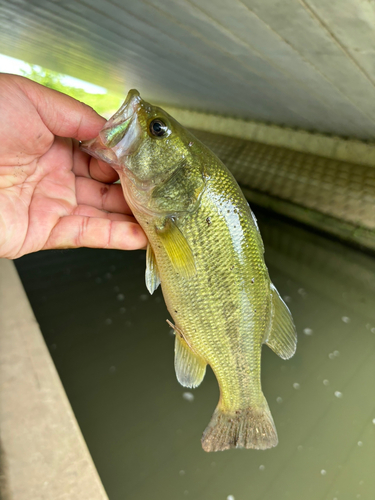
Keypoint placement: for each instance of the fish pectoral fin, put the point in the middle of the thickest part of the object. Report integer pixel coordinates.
(177, 248)
(190, 368)
(152, 274)
(282, 337)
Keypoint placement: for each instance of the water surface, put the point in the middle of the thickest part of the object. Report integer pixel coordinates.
(114, 353)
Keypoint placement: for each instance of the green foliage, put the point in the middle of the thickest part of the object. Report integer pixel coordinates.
(104, 104)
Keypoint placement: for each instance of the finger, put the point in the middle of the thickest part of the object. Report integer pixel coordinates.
(107, 197)
(87, 166)
(89, 211)
(63, 115)
(75, 231)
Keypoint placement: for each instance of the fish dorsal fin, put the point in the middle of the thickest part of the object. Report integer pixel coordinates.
(190, 368)
(282, 337)
(177, 248)
(152, 274)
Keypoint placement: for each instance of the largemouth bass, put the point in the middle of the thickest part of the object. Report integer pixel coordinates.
(206, 251)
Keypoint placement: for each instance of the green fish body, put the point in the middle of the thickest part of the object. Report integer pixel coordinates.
(206, 251)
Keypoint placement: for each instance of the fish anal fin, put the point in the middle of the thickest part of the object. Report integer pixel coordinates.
(251, 427)
(282, 337)
(177, 248)
(152, 274)
(190, 368)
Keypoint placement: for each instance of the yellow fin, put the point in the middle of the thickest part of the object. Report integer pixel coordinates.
(152, 274)
(282, 337)
(178, 249)
(190, 368)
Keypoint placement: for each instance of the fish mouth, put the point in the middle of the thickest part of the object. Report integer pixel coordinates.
(120, 136)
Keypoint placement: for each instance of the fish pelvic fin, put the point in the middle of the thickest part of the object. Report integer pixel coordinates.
(282, 337)
(152, 274)
(251, 427)
(190, 368)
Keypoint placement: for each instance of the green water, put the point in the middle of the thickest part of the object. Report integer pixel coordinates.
(114, 353)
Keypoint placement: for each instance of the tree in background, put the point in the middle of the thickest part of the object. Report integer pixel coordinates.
(104, 104)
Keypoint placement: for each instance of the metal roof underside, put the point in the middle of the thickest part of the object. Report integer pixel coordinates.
(302, 63)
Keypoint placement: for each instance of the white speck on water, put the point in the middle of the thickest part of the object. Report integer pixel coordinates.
(230, 497)
(345, 319)
(360, 443)
(262, 467)
(373, 420)
(122, 310)
(302, 292)
(307, 331)
(112, 369)
(336, 354)
(338, 394)
(108, 321)
(287, 298)
(296, 385)
(331, 355)
(143, 297)
(120, 296)
(372, 330)
(323, 472)
(182, 472)
(279, 399)
(98, 280)
(188, 396)
(325, 382)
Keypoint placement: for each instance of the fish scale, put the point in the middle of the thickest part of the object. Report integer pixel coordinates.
(206, 251)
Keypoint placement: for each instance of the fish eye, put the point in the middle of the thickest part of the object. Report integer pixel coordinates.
(158, 127)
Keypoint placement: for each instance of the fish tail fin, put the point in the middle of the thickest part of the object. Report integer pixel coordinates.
(251, 427)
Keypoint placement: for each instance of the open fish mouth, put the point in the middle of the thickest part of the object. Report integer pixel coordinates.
(120, 136)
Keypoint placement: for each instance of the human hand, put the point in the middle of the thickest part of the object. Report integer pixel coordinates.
(52, 195)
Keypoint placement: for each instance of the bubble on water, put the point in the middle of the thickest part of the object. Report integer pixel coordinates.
(128, 323)
(98, 280)
(338, 394)
(373, 420)
(230, 497)
(325, 382)
(112, 369)
(108, 321)
(186, 492)
(262, 467)
(360, 443)
(336, 354)
(182, 472)
(300, 447)
(108, 276)
(323, 472)
(143, 297)
(307, 331)
(361, 482)
(302, 292)
(287, 298)
(116, 288)
(120, 296)
(279, 399)
(122, 310)
(372, 330)
(171, 332)
(213, 464)
(331, 355)
(358, 495)
(345, 319)
(296, 385)
(188, 396)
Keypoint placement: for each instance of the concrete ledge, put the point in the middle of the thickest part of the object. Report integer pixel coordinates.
(43, 455)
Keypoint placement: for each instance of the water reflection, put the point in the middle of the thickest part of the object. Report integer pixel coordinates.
(116, 364)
